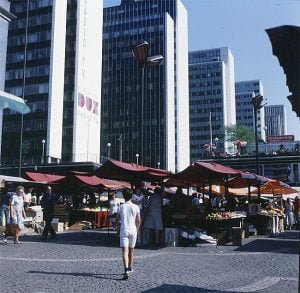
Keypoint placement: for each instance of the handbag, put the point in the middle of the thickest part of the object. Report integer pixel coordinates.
(11, 229)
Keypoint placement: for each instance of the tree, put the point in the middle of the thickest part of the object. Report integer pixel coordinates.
(240, 133)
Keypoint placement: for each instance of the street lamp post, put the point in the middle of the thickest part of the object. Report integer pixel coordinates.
(158, 165)
(23, 85)
(216, 143)
(140, 54)
(43, 151)
(120, 139)
(266, 141)
(108, 149)
(137, 158)
(258, 102)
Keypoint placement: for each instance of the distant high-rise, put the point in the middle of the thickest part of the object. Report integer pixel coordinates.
(57, 45)
(244, 92)
(275, 120)
(212, 100)
(155, 130)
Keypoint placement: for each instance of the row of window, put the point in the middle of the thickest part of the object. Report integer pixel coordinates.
(205, 93)
(35, 71)
(29, 125)
(33, 5)
(30, 89)
(200, 102)
(32, 54)
(35, 37)
(205, 84)
(32, 21)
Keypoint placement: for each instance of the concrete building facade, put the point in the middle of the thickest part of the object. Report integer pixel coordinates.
(212, 100)
(54, 57)
(244, 92)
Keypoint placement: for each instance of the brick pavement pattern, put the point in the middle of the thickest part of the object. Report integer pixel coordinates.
(90, 261)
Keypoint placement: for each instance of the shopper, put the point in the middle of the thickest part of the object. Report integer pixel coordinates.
(48, 204)
(17, 212)
(289, 214)
(129, 216)
(27, 198)
(153, 219)
(5, 199)
(138, 198)
(113, 210)
(297, 211)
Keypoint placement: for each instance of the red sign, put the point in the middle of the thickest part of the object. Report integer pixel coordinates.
(280, 138)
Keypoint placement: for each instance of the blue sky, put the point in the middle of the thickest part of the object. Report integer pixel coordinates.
(240, 25)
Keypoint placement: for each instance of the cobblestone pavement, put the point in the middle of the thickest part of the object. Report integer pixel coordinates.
(90, 261)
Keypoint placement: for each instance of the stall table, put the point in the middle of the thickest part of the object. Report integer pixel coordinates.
(97, 217)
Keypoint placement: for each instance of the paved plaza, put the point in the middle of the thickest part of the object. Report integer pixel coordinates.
(90, 261)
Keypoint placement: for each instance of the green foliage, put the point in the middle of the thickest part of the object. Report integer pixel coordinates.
(240, 132)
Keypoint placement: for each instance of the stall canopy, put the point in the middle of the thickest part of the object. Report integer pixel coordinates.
(42, 177)
(85, 179)
(246, 179)
(200, 173)
(78, 179)
(10, 179)
(131, 172)
(275, 187)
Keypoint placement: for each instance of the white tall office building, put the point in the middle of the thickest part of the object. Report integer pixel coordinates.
(244, 92)
(57, 45)
(212, 99)
(275, 118)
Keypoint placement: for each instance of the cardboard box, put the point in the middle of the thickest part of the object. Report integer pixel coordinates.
(171, 237)
(57, 226)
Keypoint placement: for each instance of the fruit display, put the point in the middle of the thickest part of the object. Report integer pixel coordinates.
(272, 212)
(219, 216)
(224, 215)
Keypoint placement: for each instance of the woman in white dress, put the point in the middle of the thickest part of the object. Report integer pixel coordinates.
(17, 212)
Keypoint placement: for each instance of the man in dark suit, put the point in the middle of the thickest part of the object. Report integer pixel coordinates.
(48, 204)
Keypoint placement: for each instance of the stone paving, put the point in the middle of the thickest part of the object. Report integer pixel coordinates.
(90, 261)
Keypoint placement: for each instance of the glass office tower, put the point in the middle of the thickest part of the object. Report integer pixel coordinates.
(54, 63)
(164, 129)
(212, 101)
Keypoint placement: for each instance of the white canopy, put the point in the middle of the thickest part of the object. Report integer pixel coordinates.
(13, 102)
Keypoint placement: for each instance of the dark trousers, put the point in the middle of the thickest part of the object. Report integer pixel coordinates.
(48, 228)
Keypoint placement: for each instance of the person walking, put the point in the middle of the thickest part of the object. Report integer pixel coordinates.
(5, 199)
(129, 216)
(48, 204)
(17, 212)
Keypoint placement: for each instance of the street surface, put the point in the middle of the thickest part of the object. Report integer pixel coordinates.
(90, 261)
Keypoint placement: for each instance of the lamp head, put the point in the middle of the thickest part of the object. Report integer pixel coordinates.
(140, 52)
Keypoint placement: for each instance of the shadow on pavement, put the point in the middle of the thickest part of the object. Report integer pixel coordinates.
(86, 238)
(108, 276)
(286, 242)
(180, 288)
